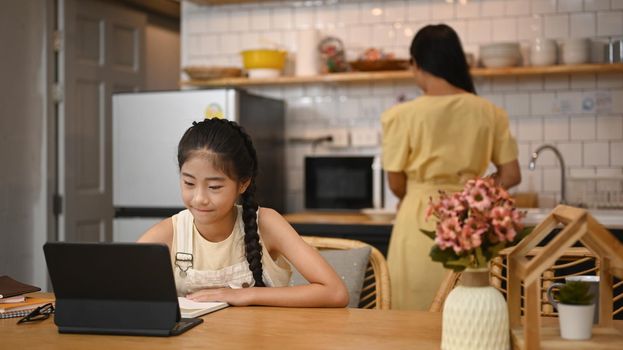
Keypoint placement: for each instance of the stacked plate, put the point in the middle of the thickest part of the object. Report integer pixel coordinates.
(500, 55)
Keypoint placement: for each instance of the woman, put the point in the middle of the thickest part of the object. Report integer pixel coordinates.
(437, 142)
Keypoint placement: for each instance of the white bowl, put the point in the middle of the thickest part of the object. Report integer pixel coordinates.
(263, 73)
(500, 55)
(512, 53)
(574, 56)
(499, 46)
(500, 61)
(499, 49)
(578, 43)
(379, 215)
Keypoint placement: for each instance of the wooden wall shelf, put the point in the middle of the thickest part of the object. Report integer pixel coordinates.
(226, 2)
(355, 77)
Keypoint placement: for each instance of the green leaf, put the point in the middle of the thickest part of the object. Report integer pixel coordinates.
(442, 255)
(430, 234)
(449, 258)
(455, 268)
(463, 261)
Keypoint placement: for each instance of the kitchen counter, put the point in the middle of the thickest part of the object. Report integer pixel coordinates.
(335, 218)
(350, 225)
(355, 225)
(610, 219)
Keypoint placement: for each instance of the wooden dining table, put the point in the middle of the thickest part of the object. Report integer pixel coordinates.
(253, 327)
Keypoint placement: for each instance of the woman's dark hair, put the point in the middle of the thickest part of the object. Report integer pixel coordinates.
(236, 157)
(437, 50)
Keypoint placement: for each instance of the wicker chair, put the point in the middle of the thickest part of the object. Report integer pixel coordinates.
(448, 283)
(575, 261)
(375, 293)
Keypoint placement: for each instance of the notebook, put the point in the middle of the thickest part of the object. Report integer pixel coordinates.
(10, 287)
(191, 308)
(115, 288)
(8, 310)
(28, 303)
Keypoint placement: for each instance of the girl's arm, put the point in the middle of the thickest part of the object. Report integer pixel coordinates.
(326, 289)
(161, 232)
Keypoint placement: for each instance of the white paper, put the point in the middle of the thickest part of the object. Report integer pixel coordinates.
(190, 308)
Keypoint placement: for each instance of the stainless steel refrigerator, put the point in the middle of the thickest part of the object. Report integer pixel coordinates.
(146, 130)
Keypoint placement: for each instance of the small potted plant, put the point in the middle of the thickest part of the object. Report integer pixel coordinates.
(575, 309)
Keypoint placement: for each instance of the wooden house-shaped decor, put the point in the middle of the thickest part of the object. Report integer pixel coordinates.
(578, 225)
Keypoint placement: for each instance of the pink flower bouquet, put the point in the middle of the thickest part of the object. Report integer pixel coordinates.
(474, 225)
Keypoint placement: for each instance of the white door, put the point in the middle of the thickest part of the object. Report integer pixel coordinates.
(101, 53)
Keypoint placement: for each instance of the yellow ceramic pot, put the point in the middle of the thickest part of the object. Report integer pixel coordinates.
(263, 58)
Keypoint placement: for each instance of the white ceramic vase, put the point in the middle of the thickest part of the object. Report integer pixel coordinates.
(475, 315)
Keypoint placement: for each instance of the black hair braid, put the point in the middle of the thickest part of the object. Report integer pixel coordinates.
(252, 245)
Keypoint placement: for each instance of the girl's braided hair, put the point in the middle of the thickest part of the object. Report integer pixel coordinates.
(236, 157)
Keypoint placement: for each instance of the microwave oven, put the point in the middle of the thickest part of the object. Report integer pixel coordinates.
(343, 182)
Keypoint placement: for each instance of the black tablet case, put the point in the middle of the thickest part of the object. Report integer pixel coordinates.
(114, 288)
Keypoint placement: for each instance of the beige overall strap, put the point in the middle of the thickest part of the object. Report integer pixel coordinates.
(184, 241)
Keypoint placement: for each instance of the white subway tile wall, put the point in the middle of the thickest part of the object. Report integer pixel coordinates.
(596, 5)
(609, 128)
(556, 26)
(570, 5)
(580, 114)
(556, 129)
(582, 25)
(610, 23)
(571, 153)
(597, 153)
(616, 153)
(582, 81)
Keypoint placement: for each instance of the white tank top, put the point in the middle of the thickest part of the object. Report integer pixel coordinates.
(200, 264)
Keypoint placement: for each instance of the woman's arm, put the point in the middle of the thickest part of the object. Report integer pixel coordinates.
(508, 174)
(397, 183)
(326, 289)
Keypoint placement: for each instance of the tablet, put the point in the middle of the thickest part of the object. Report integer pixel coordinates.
(114, 288)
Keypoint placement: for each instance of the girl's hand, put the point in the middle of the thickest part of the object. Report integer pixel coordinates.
(235, 297)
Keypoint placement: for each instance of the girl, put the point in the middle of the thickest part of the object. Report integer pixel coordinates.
(224, 252)
(437, 142)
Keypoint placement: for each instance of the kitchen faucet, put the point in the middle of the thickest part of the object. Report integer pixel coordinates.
(535, 155)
